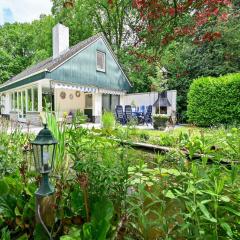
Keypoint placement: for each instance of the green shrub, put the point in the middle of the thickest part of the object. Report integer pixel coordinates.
(160, 121)
(79, 117)
(108, 120)
(214, 101)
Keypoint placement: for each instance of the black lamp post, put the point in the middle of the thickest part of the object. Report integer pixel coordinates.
(44, 149)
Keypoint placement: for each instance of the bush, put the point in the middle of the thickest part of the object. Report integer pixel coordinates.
(160, 121)
(214, 101)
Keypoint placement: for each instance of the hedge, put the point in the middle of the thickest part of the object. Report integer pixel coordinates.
(214, 101)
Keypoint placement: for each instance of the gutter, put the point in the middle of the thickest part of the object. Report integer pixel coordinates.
(23, 81)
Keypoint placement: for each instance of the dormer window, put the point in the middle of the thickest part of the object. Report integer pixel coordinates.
(101, 61)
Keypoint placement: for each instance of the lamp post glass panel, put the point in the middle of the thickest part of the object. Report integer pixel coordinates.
(44, 148)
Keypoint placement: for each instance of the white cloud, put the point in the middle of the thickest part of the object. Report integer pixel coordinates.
(25, 10)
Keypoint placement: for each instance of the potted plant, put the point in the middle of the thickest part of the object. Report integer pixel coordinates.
(160, 121)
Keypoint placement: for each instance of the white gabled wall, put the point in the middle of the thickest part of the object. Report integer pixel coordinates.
(172, 98)
(149, 98)
(140, 99)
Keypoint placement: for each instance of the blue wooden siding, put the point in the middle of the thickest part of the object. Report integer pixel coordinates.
(81, 69)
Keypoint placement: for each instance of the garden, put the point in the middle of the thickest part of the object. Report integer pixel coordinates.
(125, 182)
(105, 188)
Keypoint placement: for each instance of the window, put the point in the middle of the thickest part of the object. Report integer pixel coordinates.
(29, 100)
(109, 102)
(19, 101)
(32, 99)
(101, 61)
(35, 99)
(24, 102)
(12, 101)
(47, 99)
(15, 101)
(88, 101)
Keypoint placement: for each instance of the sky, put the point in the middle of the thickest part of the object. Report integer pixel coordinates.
(23, 10)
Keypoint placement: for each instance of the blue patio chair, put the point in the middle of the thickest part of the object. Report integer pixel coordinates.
(120, 115)
(128, 113)
(142, 109)
(134, 109)
(148, 115)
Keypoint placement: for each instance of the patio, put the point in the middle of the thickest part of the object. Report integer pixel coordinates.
(23, 127)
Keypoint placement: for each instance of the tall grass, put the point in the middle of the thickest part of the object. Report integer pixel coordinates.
(108, 121)
(58, 130)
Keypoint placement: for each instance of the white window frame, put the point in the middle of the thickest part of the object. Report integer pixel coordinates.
(33, 95)
(16, 101)
(104, 62)
(30, 108)
(13, 101)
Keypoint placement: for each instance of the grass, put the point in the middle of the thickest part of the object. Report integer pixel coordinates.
(213, 134)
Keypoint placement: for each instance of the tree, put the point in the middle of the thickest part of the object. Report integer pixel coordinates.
(24, 44)
(159, 83)
(42, 38)
(162, 21)
(88, 16)
(138, 64)
(186, 60)
(16, 52)
(76, 16)
(6, 65)
(110, 17)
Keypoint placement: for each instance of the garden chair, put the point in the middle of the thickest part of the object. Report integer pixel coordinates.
(148, 115)
(142, 109)
(128, 113)
(120, 115)
(134, 109)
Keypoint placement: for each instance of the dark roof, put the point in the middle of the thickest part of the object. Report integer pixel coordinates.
(163, 102)
(50, 63)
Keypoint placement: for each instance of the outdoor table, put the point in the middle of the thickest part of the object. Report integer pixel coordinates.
(137, 114)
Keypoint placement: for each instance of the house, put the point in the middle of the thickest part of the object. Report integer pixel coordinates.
(84, 77)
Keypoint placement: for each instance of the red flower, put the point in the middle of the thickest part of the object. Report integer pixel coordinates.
(224, 17)
(171, 11)
(217, 35)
